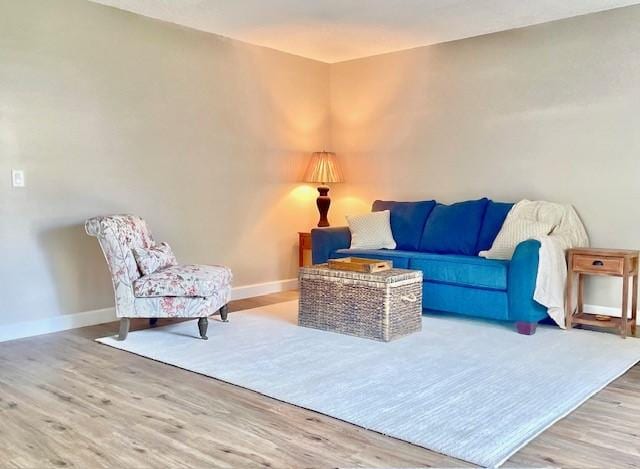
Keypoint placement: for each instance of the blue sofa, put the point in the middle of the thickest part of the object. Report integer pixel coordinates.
(443, 242)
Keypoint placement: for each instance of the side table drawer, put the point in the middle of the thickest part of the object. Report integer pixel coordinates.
(595, 264)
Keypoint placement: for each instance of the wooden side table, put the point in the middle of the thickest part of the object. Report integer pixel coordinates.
(304, 243)
(608, 262)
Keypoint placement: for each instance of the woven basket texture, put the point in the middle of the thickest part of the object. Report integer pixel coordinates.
(381, 306)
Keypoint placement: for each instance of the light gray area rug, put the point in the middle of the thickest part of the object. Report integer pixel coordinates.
(470, 389)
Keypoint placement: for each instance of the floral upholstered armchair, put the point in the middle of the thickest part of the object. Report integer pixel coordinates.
(175, 291)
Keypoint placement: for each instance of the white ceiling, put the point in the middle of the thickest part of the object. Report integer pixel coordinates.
(337, 30)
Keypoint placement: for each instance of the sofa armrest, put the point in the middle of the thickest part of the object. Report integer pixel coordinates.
(521, 283)
(324, 241)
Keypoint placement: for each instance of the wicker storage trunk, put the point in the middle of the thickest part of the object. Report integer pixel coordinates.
(382, 305)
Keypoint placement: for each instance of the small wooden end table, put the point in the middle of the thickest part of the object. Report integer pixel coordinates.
(304, 242)
(608, 262)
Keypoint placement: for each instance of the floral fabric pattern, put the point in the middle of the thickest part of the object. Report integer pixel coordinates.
(154, 258)
(118, 236)
(180, 306)
(183, 280)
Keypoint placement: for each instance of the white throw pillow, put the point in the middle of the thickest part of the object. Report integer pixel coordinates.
(512, 233)
(371, 231)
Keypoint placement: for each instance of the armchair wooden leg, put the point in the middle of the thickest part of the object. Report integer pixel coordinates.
(153, 322)
(203, 323)
(224, 312)
(124, 328)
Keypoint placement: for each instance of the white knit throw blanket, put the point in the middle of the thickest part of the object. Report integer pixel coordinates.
(568, 233)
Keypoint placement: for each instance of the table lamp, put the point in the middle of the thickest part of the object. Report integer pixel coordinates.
(324, 169)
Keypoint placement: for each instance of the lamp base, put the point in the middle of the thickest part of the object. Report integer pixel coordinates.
(323, 202)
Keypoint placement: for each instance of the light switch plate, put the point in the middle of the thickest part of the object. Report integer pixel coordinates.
(17, 177)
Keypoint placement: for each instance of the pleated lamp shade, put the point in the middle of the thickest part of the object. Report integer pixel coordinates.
(323, 168)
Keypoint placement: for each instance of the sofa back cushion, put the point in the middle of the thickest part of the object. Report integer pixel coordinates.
(454, 229)
(407, 220)
(494, 218)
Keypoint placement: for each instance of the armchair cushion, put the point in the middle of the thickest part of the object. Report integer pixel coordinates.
(154, 258)
(183, 280)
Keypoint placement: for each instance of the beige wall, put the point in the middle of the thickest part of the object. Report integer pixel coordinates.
(546, 112)
(109, 112)
(206, 137)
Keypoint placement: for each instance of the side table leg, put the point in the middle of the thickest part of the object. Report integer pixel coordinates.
(634, 305)
(569, 308)
(580, 305)
(625, 302)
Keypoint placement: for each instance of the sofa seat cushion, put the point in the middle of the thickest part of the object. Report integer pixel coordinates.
(469, 271)
(466, 271)
(400, 259)
(183, 280)
(476, 302)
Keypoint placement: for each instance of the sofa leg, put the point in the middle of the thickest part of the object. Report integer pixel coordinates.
(153, 322)
(124, 328)
(224, 312)
(203, 323)
(526, 328)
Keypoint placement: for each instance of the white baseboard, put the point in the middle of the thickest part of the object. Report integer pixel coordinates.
(65, 322)
(266, 288)
(59, 323)
(608, 310)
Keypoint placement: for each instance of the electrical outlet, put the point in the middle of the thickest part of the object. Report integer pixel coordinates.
(17, 177)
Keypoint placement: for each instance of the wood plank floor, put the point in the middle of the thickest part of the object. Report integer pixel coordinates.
(67, 401)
